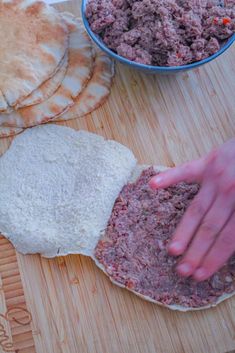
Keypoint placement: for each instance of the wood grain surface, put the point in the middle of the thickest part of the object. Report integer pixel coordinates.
(75, 309)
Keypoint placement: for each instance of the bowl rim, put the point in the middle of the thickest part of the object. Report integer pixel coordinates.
(102, 46)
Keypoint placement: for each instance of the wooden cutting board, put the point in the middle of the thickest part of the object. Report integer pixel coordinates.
(66, 305)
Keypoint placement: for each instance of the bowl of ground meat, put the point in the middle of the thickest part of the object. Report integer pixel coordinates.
(161, 36)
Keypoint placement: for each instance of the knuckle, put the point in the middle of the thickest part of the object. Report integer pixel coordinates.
(228, 240)
(196, 208)
(228, 188)
(212, 156)
(186, 168)
(209, 229)
(218, 170)
(216, 164)
(193, 258)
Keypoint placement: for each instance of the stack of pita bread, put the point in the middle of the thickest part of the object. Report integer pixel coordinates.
(49, 70)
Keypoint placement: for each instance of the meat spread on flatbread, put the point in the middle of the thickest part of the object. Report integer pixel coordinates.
(133, 250)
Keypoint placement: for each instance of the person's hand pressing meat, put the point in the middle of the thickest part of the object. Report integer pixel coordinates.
(206, 234)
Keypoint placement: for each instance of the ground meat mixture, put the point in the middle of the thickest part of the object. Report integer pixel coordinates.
(133, 249)
(162, 32)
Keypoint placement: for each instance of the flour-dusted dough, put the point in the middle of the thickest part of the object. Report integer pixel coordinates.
(58, 187)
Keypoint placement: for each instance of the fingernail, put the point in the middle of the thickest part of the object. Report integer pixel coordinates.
(200, 274)
(184, 269)
(158, 179)
(176, 247)
(155, 181)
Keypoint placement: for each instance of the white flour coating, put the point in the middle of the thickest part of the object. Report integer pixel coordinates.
(58, 187)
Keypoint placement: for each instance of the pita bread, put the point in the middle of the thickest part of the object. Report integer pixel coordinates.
(3, 103)
(96, 91)
(48, 88)
(71, 21)
(49, 179)
(77, 74)
(33, 41)
(9, 131)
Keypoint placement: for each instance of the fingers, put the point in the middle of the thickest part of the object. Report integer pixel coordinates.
(189, 172)
(191, 221)
(211, 225)
(206, 233)
(222, 250)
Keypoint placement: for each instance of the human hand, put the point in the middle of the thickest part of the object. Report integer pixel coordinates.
(206, 234)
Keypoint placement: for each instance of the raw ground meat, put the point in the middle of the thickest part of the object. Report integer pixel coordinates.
(162, 32)
(133, 249)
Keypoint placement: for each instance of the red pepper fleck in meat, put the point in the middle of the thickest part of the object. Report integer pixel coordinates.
(226, 21)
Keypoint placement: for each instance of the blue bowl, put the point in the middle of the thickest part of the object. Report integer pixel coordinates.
(150, 68)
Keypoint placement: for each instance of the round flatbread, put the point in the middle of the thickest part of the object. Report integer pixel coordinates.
(9, 131)
(48, 88)
(132, 251)
(96, 91)
(3, 104)
(33, 41)
(71, 21)
(77, 74)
